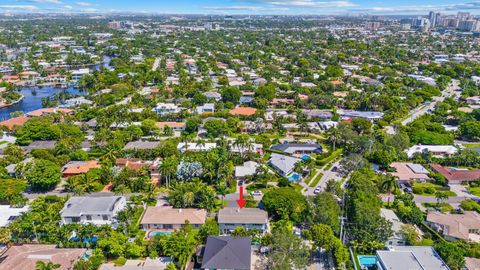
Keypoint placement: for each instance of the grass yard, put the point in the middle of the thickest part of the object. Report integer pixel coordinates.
(474, 190)
(429, 189)
(443, 207)
(315, 181)
(472, 145)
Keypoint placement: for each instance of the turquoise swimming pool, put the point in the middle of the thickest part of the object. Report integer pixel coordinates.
(367, 260)
(294, 177)
(152, 234)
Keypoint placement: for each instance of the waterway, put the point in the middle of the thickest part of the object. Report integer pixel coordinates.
(32, 99)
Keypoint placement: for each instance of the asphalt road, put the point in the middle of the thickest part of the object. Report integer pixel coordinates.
(327, 175)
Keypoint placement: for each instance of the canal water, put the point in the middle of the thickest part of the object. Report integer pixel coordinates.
(33, 95)
(33, 99)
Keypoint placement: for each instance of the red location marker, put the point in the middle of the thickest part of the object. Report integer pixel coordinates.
(241, 201)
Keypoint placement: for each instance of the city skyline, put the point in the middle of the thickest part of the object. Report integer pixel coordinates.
(254, 7)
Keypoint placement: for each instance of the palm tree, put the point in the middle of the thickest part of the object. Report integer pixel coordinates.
(222, 190)
(390, 185)
(46, 266)
(188, 199)
(441, 197)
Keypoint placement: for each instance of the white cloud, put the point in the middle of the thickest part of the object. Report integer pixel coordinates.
(67, 7)
(421, 8)
(47, 1)
(84, 4)
(306, 3)
(88, 10)
(25, 7)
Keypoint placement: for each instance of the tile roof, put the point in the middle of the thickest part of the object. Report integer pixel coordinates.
(171, 124)
(79, 167)
(409, 171)
(246, 111)
(141, 145)
(458, 225)
(16, 121)
(25, 257)
(170, 215)
(457, 175)
(46, 111)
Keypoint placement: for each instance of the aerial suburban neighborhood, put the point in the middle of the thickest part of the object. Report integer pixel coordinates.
(272, 135)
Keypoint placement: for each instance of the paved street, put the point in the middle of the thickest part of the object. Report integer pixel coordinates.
(448, 92)
(327, 175)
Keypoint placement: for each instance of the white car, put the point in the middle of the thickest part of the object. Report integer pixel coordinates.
(317, 190)
(257, 193)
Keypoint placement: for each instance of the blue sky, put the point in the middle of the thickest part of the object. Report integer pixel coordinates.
(243, 6)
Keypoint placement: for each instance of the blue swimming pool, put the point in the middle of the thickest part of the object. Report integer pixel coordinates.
(367, 260)
(294, 177)
(152, 234)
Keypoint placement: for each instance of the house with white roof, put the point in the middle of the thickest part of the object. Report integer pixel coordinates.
(436, 150)
(283, 164)
(164, 109)
(92, 210)
(206, 108)
(9, 213)
(247, 169)
(196, 147)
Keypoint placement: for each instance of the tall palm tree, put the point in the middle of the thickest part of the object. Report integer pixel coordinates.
(46, 266)
(188, 199)
(390, 185)
(441, 197)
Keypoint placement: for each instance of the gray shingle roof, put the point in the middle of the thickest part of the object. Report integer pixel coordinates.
(292, 148)
(226, 252)
(141, 145)
(76, 206)
(283, 163)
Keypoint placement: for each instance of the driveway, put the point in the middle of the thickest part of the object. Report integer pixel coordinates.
(327, 175)
(462, 191)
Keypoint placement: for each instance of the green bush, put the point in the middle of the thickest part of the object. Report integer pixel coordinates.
(120, 261)
(429, 190)
(417, 190)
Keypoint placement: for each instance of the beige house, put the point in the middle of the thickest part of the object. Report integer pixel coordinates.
(167, 218)
(456, 226)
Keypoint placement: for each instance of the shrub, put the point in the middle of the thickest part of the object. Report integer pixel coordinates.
(120, 261)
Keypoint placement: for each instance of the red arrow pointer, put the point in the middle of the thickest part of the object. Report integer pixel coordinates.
(241, 201)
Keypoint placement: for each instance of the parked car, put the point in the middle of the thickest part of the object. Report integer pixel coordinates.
(317, 190)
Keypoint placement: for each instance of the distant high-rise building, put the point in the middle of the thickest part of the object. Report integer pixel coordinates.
(468, 25)
(432, 17)
(372, 25)
(114, 25)
(463, 16)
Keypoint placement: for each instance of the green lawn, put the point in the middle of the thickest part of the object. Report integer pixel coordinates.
(474, 190)
(429, 189)
(316, 180)
(472, 145)
(444, 207)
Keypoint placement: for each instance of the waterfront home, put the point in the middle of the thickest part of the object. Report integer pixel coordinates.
(226, 252)
(77, 75)
(167, 218)
(92, 210)
(230, 218)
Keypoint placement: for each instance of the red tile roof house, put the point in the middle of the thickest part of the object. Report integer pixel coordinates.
(25, 257)
(166, 218)
(244, 111)
(457, 176)
(79, 167)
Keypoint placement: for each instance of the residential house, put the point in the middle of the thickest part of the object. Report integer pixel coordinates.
(74, 102)
(225, 252)
(79, 167)
(48, 111)
(206, 108)
(230, 218)
(283, 164)
(464, 226)
(406, 171)
(411, 258)
(92, 210)
(213, 95)
(40, 145)
(175, 126)
(25, 257)
(77, 75)
(196, 147)
(318, 114)
(167, 218)
(370, 115)
(249, 168)
(164, 109)
(435, 150)
(457, 176)
(8, 214)
(14, 122)
(142, 145)
(300, 149)
(243, 111)
(475, 100)
(397, 238)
